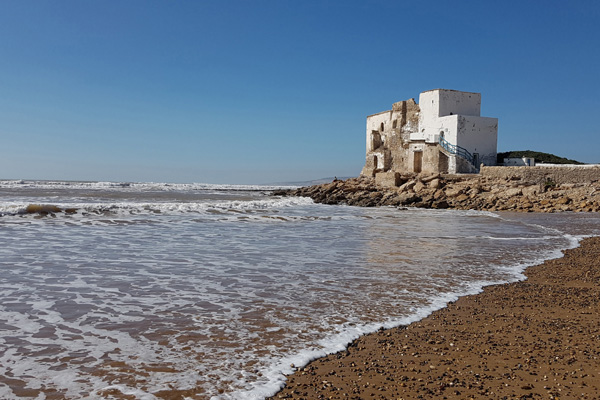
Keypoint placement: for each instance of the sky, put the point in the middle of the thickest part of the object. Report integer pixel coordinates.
(265, 91)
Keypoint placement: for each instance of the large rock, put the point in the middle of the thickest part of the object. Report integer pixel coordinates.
(511, 192)
(435, 184)
(453, 191)
(419, 186)
(408, 186)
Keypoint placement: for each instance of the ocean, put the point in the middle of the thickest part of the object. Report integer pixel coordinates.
(144, 290)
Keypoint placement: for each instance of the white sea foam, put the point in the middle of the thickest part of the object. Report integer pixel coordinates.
(136, 186)
(274, 377)
(139, 208)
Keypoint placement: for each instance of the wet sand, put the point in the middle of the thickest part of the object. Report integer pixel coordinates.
(538, 339)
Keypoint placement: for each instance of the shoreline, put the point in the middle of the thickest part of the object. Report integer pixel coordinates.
(536, 338)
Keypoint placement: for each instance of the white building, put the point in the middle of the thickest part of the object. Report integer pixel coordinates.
(443, 133)
(519, 162)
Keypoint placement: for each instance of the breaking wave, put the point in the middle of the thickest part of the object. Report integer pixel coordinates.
(136, 186)
(169, 208)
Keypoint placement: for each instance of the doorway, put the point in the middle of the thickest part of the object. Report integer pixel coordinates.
(443, 163)
(418, 161)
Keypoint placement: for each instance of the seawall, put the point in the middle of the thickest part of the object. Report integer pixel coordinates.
(542, 174)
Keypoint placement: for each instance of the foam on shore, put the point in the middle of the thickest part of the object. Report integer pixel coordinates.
(477, 366)
(276, 375)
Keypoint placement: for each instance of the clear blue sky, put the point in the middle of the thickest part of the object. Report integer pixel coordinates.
(229, 91)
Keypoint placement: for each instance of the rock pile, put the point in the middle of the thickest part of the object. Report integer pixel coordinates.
(464, 192)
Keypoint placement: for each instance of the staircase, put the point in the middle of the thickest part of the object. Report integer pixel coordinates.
(457, 150)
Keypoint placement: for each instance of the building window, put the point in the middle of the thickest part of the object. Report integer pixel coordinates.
(376, 141)
(381, 127)
(394, 124)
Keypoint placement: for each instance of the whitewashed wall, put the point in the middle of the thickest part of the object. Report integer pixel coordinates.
(456, 115)
(374, 124)
(479, 135)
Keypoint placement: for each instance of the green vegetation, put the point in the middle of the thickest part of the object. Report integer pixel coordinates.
(539, 157)
(549, 184)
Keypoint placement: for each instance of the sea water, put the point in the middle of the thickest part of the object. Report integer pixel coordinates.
(133, 290)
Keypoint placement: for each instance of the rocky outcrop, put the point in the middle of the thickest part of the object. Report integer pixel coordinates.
(464, 192)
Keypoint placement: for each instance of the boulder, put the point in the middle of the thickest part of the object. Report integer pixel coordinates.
(418, 187)
(408, 198)
(511, 192)
(407, 186)
(563, 200)
(440, 204)
(435, 184)
(530, 190)
(453, 191)
(462, 198)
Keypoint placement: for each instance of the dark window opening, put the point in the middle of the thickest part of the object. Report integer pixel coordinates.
(375, 140)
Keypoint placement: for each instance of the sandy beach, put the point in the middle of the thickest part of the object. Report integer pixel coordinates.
(538, 338)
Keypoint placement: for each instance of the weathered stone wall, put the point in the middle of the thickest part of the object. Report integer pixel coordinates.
(431, 159)
(463, 166)
(387, 137)
(538, 174)
(388, 179)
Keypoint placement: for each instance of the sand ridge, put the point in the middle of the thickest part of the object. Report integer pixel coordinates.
(538, 339)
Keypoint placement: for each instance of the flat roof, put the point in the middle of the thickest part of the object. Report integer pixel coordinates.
(381, 112)
(450, 90)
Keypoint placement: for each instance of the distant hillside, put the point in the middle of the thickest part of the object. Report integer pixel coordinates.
(539, 157)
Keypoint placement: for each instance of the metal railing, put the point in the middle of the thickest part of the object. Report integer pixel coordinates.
(459, 151)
